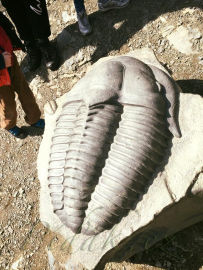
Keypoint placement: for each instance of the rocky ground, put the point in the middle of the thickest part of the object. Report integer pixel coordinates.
(174, 30)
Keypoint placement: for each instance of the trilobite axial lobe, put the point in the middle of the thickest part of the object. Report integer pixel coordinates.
(108, 142)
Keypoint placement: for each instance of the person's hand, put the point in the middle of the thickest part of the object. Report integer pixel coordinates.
(7, 59)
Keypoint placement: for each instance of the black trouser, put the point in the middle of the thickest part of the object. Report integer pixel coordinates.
(30, 18)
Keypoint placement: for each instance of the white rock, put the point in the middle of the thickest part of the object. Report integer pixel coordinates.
(66, 17)
(167, 30)
(181, 39)
(15, 265)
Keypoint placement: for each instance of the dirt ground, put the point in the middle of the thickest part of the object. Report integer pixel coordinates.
(24, 241)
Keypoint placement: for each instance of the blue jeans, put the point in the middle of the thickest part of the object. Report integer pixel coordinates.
(79, 5)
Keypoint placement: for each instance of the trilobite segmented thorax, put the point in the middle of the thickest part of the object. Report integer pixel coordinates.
(108, 142)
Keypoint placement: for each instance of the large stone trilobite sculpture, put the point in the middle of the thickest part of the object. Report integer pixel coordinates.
(108, 142)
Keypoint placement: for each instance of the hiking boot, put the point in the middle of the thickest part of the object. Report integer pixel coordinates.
(18, 132)
(39, 124)
(49, 53)
(34, 55)
(83, 23)
(112, 4)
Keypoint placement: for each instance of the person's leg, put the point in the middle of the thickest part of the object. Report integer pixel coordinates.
(8, 112)
(79, 5)
(25, 95)
(83, 22)
(32, 22)
(105, 5)
(18, 12)
(39, 20)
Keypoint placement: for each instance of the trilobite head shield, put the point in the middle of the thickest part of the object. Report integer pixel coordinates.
(108, 142)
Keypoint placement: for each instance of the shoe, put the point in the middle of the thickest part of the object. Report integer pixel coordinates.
(39, 124)
(34, 55)
(18, 132)
(83, 23)
(50, 54)
(112, 4)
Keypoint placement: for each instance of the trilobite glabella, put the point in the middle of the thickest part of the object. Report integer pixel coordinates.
(108, 142)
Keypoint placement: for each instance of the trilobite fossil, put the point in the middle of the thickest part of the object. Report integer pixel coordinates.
(108, 142)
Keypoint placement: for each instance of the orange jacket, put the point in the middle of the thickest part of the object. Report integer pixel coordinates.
(5, 45)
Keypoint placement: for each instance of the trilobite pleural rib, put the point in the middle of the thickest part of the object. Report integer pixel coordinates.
(108, 142)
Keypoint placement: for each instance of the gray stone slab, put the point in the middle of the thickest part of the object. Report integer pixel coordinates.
(173, 201)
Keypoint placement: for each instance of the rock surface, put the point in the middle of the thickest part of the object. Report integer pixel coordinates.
(183, 39)
(173, 202)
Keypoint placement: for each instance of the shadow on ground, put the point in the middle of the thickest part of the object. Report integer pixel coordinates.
(33, 131)
(105, 37)
(191, 86)
(182, 251)
(139, 13)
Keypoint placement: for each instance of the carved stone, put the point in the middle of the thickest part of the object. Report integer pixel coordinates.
(111, 138)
